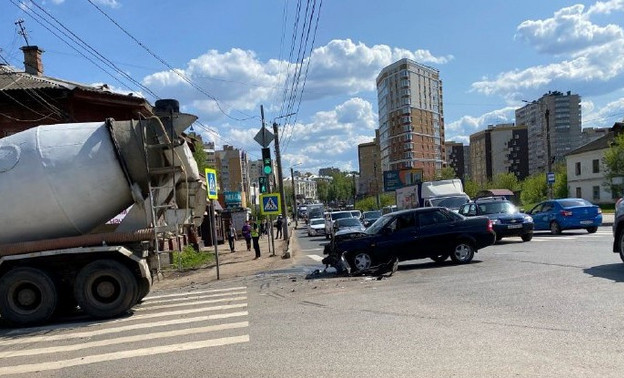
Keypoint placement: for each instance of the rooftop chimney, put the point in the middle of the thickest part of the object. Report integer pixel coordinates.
(32, 60)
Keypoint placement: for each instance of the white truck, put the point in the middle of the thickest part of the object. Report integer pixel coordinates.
(444, 193)
(61, 185)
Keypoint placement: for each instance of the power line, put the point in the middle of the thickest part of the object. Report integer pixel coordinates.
(161, 60)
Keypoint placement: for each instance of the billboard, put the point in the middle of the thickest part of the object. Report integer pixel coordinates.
(394, 180)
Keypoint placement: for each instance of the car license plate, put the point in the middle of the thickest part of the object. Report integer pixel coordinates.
(514, 226)
(587, 222)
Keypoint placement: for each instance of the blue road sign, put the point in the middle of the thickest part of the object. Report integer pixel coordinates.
(551, 177)
(270, 204)
(211, 182)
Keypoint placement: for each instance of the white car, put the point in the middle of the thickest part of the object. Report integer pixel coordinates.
(331, 217)
(316, 226)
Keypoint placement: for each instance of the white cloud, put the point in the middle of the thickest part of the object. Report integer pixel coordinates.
(461, 129)
(569, 31)
(109, 3)
(606, 7)
(240, 81)
(605, 116)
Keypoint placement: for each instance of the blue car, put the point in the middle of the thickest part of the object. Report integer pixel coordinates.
(506, 219)
(566, 214)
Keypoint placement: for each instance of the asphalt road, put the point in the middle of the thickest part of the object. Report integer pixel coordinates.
(549, 307)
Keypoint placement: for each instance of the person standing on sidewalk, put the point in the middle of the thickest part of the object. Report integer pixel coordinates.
(255, 236)
(246, 231)
(231, 235)
(278, 225)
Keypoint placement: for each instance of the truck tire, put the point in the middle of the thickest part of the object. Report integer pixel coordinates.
(145, 285)
(27, 296)
(106, 288)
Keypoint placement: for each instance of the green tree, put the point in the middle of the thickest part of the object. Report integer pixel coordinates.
(506, 181)
(198, 152)
(446, 173)
(534, 189)
(560, 187)
(613, 162)
(471, 188)
(322, 190)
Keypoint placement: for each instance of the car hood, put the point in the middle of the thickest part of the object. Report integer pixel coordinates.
(349, 230)
(508, 217)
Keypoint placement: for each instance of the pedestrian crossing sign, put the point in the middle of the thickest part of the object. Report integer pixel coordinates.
(270, 204)
(211, 183)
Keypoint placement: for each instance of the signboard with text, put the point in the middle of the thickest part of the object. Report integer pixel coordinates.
(394, 180)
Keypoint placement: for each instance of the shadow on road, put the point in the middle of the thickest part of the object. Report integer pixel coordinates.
(614, 272)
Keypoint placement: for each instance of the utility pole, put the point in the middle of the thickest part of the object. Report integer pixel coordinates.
(292, 178)
(376, 185)
(280, 183)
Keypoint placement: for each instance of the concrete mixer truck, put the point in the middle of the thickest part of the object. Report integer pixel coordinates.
(61, 183)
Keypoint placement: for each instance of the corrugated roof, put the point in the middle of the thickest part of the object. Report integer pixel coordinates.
(11, 79)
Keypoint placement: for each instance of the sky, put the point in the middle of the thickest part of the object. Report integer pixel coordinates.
(312, 65)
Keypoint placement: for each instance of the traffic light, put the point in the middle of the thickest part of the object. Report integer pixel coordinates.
(266, 161)
(263, 184)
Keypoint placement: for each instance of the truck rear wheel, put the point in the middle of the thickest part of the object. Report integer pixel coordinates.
(105, 289)
(27, 296)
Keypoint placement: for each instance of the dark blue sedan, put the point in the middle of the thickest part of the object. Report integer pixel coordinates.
(566, 214)
(506, 219)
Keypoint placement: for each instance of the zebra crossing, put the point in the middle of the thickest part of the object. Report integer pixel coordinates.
(544, 236)
(159, 325)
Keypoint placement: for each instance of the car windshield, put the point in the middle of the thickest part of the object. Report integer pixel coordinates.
(371, 214)
(348, 222)
(449, 202)
(497, 208)
(335, 216)
(317, 221)
(379, 224)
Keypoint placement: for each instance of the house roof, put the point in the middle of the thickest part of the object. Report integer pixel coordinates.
(601, 143)
(11, 79)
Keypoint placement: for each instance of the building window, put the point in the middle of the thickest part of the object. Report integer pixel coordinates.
(596, 192)
(577, 169)
(579, 194)
(596, 166)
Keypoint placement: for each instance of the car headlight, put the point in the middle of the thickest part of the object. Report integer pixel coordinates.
(527, 218)
(496, 221)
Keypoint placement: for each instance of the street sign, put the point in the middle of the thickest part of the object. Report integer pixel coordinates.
(211, 182)
(270, 204)
(551, 177)
(264, 137)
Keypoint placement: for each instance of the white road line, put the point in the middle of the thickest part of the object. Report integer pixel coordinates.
(315, 257)
(108, 331)
(150, 297)
(107, 357)
(125, 320)
(123, 340)
(312, 249)
(190, 297)
(209, 301)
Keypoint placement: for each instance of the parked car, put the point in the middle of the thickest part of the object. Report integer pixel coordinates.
(369, 217)
(566, 214)
(430, 232)
(618, 228)
(331, 217)
(316, 226)
(348, 225)
(505, 216)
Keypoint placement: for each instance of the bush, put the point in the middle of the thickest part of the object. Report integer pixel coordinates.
(189, 258)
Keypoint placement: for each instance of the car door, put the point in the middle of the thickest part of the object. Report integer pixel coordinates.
(397, 238)
(435, 231)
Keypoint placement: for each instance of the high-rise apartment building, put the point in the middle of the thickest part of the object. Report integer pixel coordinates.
(458, 158)
(555, 117)
(371, 178)
(233, 173)
(411, 118)
(499, 149)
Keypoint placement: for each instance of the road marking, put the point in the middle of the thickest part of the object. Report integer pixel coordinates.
(150, 297)
(209, 301)
(312, 249)
(106, 357)
(316, 257)
(123, 340)
(149, 302)
(132, 327)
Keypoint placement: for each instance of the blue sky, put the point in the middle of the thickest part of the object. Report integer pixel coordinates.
(491, 56)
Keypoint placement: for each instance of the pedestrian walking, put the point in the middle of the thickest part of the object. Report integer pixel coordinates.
(231, 235)
(246, 231)
(255, 236)
(265, 223)
(278, 224)
(262, 228)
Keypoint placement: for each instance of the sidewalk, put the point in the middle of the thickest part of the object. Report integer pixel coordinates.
(240, 263)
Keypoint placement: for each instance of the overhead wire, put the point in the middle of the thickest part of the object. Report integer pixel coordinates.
(170, 67)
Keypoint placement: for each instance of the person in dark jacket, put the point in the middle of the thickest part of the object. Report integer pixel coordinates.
(255, 236)
(246, 231)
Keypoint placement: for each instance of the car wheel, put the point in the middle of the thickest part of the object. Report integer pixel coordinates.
(361, 261)
(621, 244)
(591, 230)
(555, 229)
(440, 258)
(527, 237)
(463, 252)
